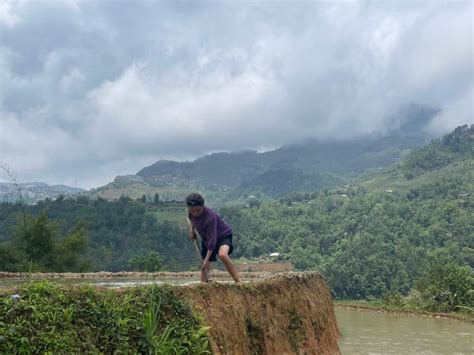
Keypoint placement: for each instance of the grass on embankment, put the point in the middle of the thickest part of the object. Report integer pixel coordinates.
(57, 319)
(379, 305)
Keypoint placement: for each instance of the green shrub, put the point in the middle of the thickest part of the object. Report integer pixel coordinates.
(445, 286)
(147, 262)
(55, 319)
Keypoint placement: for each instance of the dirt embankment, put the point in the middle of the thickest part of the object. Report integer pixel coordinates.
(271, 313)
(290, 314)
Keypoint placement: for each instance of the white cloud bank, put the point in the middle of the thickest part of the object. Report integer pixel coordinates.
(89, 90)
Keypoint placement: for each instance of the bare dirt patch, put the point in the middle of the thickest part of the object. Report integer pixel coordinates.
(287, 314)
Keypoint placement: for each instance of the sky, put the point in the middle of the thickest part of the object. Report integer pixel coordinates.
(93, 89)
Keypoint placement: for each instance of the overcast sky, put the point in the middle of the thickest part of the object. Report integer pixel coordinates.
(92, 89)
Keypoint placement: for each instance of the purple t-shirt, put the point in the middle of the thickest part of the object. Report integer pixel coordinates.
(211, 227)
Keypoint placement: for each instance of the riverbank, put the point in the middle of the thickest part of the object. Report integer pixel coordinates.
(384, 308)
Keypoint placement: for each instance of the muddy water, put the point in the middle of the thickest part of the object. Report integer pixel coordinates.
(369, 332)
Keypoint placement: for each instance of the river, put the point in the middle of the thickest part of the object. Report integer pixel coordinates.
(371, 332)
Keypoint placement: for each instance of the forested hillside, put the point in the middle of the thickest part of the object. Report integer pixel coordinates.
(368, 239)
(120, 235)
(378, 236)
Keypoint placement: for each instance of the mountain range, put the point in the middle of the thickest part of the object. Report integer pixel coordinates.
(310, 165)
(307, 166)
(32, 192)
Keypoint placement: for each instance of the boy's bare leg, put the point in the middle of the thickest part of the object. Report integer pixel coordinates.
(205, 273)
(224, 256)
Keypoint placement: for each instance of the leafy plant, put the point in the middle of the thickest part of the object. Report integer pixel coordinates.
(52, 319)
(445, 286)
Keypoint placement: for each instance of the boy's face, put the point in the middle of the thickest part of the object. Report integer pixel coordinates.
(195, 211)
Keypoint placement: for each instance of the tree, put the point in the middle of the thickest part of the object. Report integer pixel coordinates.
(147, 262)
(42, 248)
(8, 260)
(38, 242)
(445, 286)
(71, 249)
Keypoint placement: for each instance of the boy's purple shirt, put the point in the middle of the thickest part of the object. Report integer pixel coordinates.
(210, 227)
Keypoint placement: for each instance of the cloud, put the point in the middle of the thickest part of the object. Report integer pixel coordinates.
(89, 90)
(458, 113)
(8, 17)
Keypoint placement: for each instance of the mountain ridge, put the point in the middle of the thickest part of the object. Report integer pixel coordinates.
(32, 192)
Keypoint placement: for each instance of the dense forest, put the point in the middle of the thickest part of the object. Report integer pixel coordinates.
(373, 238)
(120, 235)
(369, 243)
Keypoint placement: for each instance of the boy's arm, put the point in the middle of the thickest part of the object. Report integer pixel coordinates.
(207, 258)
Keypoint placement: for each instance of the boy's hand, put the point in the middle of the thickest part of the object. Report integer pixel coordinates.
(192, 235)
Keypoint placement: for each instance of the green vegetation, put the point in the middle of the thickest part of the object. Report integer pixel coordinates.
(373, 239)
(275, 182)
(440, 153)
(444, 286)
(372, 243)
(118, 233)
(170, 212)
(255, 336)
(451, 154)
(136, 190)
(295, 331)
(38, 246)
(150, 262)
(51, 319)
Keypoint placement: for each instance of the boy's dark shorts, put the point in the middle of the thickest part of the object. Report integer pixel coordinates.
(227, 240)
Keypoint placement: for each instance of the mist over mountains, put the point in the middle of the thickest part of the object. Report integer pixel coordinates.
(309, 165)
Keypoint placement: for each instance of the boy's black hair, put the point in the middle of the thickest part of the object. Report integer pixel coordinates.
(194, 199)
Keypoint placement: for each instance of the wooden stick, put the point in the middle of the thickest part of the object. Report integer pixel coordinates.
(203, 269)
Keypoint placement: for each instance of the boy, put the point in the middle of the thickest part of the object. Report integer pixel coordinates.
(215, 233)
